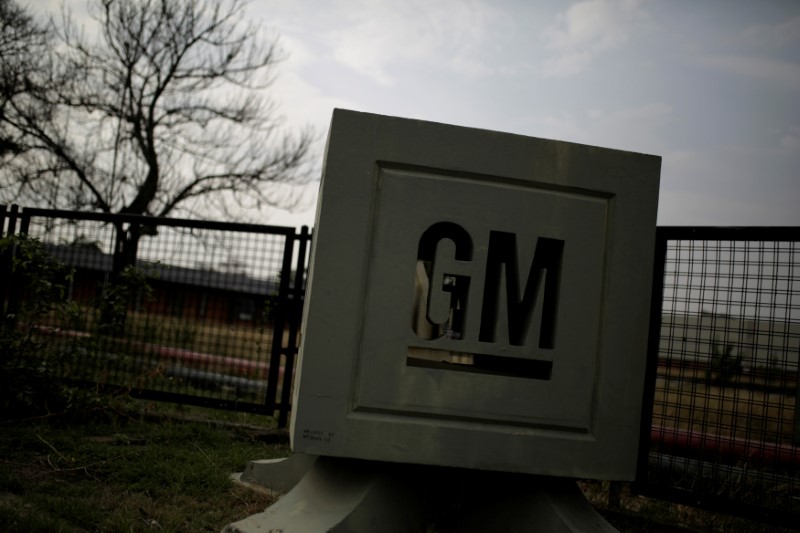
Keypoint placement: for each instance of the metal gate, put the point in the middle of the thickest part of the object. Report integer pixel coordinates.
(720, 428)
(197, 312)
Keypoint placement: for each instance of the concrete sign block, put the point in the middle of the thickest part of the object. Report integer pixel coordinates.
(476, 299)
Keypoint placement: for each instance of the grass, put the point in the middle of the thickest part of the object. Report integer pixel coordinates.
(146, 471)
(156, 467)
(235, 339)
(685, 400)
(214, 351)
(728, 411)
(124, 472)
(631, 513)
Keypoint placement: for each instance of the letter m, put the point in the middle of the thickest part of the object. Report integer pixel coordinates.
(543, 282)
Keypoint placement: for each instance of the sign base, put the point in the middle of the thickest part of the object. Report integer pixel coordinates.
(366, 496)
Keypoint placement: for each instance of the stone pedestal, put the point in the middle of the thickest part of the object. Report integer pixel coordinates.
(277, 475)
(348, 495)
(341, 495)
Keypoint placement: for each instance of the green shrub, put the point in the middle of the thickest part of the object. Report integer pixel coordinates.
(32, 367)
(130, 287)
(724, 365)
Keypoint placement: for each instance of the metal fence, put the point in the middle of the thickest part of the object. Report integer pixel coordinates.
(203, 313)
(208, 313)
(720, 427)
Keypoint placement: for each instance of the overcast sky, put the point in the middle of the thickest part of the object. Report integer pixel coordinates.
(713, 87)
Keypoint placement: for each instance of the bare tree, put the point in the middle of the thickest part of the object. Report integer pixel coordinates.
(166, 112)
(24, 44)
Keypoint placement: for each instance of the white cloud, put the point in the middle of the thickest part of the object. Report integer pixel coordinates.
(586, 29)
(702, 207)
(772, 70)
(786, 33)
(723, 206)
(567, 64)
(303, 103)
(652, 114)
(377, 35)
(637, 128)
(687, 169)
(728, 185)
(790, 142)
(297, 53)
(778, 35)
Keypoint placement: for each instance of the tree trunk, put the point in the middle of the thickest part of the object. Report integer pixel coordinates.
(116, 295)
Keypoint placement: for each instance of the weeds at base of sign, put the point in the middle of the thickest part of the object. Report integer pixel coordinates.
(127, 472)
(631, 513)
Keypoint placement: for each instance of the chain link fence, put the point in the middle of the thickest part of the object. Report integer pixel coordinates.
(721, 428)
(203, 313)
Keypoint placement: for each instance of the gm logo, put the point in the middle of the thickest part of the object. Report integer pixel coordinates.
(443, 307)
(476, 291)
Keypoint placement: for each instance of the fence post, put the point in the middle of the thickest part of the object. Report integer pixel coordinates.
(5, 268)
(295, 314)
(278, 326)
(12, 219)
(654, 337)
(9, 289)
